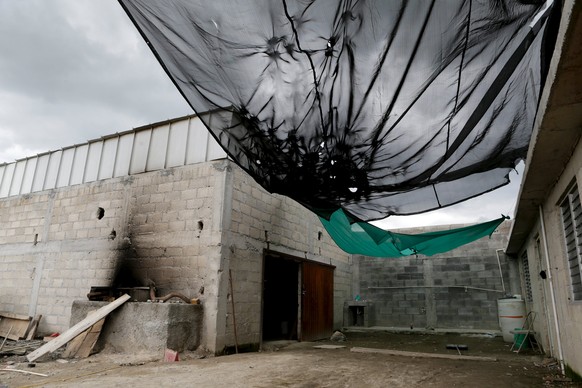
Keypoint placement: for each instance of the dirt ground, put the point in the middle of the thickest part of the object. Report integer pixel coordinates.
(284, 364)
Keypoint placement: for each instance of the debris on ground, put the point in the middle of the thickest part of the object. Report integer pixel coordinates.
(329, 347)
(79, 328)
(20, 347)
(338, 336)
(171, 356)
(14, 326)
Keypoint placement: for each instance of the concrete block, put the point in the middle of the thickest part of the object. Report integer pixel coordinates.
(146, 327)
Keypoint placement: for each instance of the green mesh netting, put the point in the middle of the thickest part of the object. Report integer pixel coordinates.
(365, 239)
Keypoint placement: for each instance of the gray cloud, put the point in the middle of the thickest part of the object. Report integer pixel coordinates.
(483, 208)
(73, 70)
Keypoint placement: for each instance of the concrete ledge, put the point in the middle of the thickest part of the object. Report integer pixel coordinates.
(139, 327)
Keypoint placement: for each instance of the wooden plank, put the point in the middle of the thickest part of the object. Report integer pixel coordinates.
(82, 345)
(33, 327)
(90, 340)
(15, 316)
(23, 371)
(329, 346)
(422, 355)
(5, 338)
(75, 344)
(77, 329)
(19, 327)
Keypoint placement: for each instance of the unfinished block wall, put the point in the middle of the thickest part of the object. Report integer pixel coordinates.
(454, 290)
(155, 227)
(259, 221)
(184, 229)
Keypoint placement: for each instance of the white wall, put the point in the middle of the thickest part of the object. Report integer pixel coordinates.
(569, 312)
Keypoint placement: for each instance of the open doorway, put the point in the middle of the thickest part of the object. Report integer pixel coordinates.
(297, 298)
(280, 298)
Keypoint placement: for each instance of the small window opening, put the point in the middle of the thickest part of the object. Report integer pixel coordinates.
(100, 213)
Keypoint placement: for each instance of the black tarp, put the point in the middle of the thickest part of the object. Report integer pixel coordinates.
(376, 107)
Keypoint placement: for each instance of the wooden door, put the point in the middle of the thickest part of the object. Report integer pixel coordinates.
(316, 301)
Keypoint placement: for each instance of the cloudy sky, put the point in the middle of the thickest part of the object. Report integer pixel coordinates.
(75, 70)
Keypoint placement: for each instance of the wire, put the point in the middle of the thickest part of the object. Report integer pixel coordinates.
(465, 287)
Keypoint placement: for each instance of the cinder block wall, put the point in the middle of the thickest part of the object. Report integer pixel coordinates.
(53, 247)
(182, 229)
(254, 222)
(456, 290)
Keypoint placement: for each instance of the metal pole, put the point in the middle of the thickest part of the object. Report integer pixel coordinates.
(500, 271)
(547, 254)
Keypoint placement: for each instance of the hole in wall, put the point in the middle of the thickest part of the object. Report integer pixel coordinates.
(100, 213)
(113, 234)
(319, 235)
(200, 225)
(35, 239)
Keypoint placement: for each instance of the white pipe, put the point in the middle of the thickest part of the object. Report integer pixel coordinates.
(465, 287)
(547, 254)
(500, 271)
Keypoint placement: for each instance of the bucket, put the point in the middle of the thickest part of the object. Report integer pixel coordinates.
(511, 312)
(518, 340)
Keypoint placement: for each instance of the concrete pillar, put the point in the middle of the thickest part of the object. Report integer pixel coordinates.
(41, 256)
(429, 299)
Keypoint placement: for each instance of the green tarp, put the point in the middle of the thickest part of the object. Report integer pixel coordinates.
(365, 239)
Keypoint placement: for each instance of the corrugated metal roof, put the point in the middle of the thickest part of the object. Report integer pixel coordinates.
(171, 143)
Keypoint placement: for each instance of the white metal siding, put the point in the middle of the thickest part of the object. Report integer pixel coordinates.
(17, 177)
(177, 143)
(108, 155)
(39, 173)
(158, 146)
(78, 168)
(29, 175)
(123, 158)
(66, 167)
(139, 155)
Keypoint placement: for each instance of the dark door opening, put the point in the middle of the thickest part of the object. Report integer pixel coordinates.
(280, 299)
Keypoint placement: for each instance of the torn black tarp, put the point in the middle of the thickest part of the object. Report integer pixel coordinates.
(376, 107)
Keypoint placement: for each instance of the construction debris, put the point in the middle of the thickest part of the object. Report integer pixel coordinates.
(171, 355)
(20, 348)
(82, 345)
(457, 347)
(22, 371)
(77, 329)
(14, 326)
(338, 336)
(33, 327)
(329, 346)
